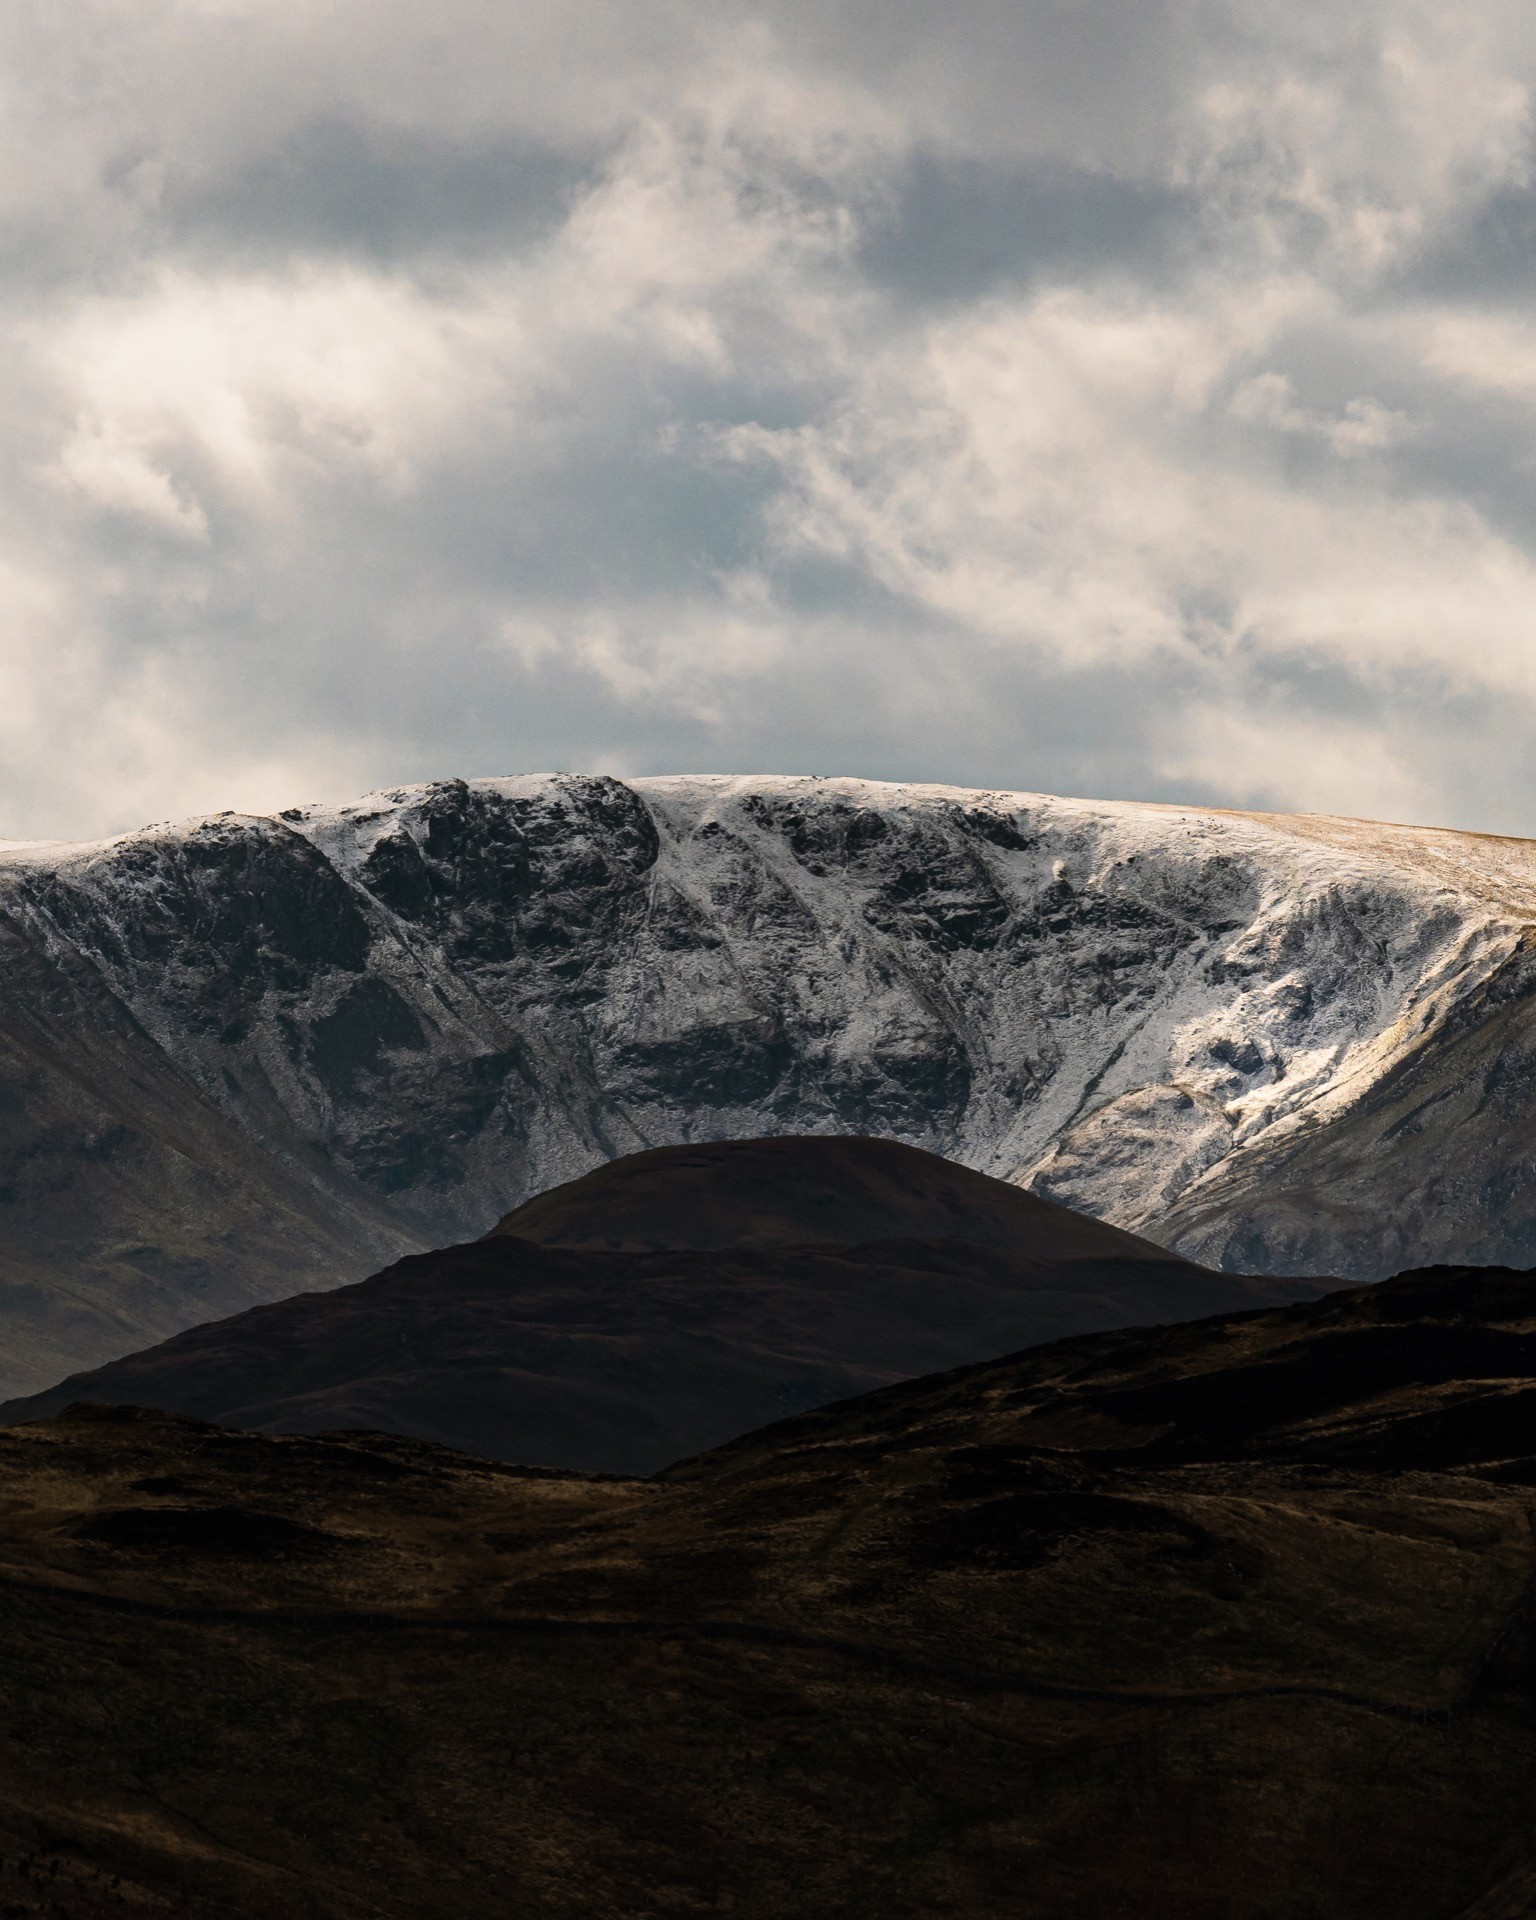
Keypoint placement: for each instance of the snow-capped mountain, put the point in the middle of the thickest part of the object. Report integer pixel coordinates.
(244, 1056)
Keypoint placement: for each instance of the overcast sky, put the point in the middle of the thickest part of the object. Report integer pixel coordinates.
(1132, 398)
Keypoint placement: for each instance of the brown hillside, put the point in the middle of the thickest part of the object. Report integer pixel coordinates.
(1222, 1622)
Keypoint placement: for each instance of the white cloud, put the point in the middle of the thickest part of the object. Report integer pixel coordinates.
(1363, 426)
(1054, 473)
(1347, 135)
(116, 471)
(242, 382)
(1490, 352)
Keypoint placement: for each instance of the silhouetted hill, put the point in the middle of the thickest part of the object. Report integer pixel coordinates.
(684, 1296)
(1434, 1371)
(807, 1190)
(1229, 1621)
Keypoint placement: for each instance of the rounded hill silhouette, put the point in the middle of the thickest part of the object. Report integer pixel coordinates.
(809, 1190)
(671, 1301)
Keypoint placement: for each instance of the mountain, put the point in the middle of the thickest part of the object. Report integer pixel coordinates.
(242, 1057)
(1228, 1621)
(672, 1300)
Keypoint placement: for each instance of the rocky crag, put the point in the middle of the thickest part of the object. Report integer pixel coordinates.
(242, 1057)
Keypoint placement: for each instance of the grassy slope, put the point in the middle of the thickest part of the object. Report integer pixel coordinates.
(1223, 1622)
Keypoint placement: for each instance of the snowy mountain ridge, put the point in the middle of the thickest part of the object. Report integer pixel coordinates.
(246, 1055)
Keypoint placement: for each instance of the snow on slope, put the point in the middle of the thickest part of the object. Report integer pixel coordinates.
(1281, 1043)
(1129, 995)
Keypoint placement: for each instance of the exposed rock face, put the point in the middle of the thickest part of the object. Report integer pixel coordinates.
(247, 1056)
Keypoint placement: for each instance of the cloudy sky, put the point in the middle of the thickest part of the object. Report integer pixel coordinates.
(1133, 398)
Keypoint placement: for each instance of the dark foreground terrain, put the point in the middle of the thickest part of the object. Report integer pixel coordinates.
(1218, 1622)
(671, 1301)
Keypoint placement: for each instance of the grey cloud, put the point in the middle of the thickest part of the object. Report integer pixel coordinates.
(1465, 743)
(925, 706)
(1488, 254)
(343, 186)
(1460, 445)
(958, 228)
(1095, 83)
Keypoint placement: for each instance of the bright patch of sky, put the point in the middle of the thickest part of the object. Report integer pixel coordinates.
(1124, 398)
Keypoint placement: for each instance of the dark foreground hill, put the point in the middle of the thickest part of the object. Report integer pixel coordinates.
(679, 1298)
(1218, 1622)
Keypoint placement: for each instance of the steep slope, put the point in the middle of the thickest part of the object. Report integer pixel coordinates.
(679, 1298)
(129, 1204)
(1278, 1044)
(1223, 1622)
